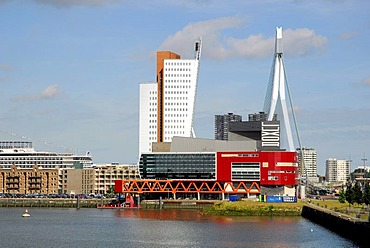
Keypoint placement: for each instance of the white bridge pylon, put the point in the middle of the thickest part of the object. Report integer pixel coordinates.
(276, 90)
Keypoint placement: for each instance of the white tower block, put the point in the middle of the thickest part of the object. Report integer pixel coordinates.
(277, 90)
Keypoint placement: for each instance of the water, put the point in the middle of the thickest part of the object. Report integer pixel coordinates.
(157, 228)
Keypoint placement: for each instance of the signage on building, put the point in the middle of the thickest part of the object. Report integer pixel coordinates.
(270, 134)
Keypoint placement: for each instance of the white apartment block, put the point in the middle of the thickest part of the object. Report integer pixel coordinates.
(337, 170)
(167, 106)
(310, 163)
(148, 116)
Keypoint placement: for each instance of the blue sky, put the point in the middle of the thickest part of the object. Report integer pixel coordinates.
(70, 69)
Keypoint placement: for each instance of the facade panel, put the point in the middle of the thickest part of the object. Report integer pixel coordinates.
(276, 168)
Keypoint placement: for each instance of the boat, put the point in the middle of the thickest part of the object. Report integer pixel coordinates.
(115, 204)
(26, 214)
(116, 207)
(24, 156)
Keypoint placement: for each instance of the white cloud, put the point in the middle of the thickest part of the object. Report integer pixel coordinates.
(210, 31)
(49, 92)
(348, 35)
(298, 42)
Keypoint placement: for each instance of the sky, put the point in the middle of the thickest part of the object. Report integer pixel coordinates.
(70, 69)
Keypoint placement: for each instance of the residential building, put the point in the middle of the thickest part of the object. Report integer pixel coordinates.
(222, 125)
(106, 174)
(167, 106)
(337, 170)
(309, 163)
(17, 180)
(96, 180)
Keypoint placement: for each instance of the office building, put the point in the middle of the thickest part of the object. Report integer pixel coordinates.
(167, 106)
(222, 125)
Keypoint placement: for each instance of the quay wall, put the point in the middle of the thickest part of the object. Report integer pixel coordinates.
(176, 204)
(352, 228)
(53, 202)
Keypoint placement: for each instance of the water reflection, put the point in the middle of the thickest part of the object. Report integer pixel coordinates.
(197, 216)
(157, 228)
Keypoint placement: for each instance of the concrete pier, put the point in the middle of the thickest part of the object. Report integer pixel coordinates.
(345, 225)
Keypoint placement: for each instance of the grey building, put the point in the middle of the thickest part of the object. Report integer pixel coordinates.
(222, 125)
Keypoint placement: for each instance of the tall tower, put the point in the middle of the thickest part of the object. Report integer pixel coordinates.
(167, 106)
(276, 90)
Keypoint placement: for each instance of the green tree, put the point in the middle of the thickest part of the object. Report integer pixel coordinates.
(357, 194)
(342, 196)
(110, 190)
(350, 194)
(366, 194)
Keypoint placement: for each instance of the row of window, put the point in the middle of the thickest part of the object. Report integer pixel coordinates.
(30, 158)
(279, 172)
(177, 81)
(30, 162)
(177, 86)
(176, 92)
(176, 115)
(175, 109)
(177, 75)
(176, 98)
(178, 63)
(176, 103)
(177, 69)
(174, 126)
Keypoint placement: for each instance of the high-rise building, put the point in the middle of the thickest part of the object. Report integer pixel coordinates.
(337, 170)
(310, 163)
(261, 116)
(222, 125)
(167, 106)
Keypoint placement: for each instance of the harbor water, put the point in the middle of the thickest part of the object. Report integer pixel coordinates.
(59, 227)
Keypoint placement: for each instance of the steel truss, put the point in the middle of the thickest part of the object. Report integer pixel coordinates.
(186, 186)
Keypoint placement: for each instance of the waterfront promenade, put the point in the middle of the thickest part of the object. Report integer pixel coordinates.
(54, 202)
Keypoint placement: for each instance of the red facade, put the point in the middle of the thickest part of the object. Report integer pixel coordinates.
(275, 167)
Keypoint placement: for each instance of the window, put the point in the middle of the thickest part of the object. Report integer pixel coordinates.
(245, 171)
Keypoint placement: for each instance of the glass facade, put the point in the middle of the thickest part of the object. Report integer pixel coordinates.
(178, 166)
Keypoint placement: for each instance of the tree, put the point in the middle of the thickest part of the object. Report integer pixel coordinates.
(350, 194)
(357, 193)
(342, 196)
(366, 194)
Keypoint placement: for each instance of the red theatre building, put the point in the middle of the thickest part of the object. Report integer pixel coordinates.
(275, 171)
(244, 164)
